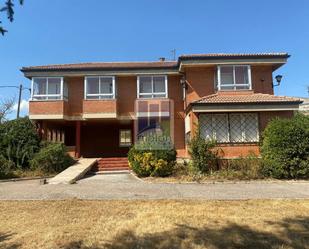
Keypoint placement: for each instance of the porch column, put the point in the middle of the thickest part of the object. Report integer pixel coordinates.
(77, 138)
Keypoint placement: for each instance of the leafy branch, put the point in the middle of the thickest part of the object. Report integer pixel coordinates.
(9, 10)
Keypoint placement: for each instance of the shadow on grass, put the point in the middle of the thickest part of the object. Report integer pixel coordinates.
(290, 233)
(293, 233)
(5, 244)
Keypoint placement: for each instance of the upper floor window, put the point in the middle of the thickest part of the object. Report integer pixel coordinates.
(152, 86)
(234, 77)
(48, 88)
(100, 87)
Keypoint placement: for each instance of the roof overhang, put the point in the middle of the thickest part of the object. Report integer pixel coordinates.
(275, 62)
(74, 73)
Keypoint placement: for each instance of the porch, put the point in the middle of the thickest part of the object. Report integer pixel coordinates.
(90, 139)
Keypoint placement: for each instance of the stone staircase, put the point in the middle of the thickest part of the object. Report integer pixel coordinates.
(112, 165)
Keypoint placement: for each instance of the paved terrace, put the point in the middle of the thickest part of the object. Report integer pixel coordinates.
(126, 186)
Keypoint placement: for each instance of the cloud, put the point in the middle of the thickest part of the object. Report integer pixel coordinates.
(24, 106)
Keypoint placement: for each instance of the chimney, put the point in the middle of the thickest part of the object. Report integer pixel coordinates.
(162, 59)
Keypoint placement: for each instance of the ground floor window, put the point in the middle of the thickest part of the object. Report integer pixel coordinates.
(230, 127)
(125, 138)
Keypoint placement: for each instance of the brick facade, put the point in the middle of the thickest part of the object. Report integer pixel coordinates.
(99, 121)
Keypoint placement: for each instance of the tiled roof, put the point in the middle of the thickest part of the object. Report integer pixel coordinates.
(149, 64)
(245, 98)
(233, 55)
(105, 65)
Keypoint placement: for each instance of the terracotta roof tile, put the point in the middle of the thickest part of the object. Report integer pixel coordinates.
(245, 98)
(234, 55)
(149, 64)
(105, 65)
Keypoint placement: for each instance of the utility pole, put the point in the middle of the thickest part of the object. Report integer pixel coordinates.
(21, 88)
(19, 100)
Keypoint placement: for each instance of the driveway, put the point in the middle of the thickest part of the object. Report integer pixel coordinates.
(126, 186)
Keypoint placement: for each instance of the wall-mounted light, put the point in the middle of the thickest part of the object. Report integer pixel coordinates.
(278, 79)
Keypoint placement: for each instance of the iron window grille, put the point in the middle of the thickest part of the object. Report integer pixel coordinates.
(230, 127)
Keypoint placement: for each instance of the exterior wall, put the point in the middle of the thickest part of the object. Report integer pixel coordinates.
(262, 79)
(201, 81)
(48, 107)
(266, 117)
(175, 93)
(126, 95)
(99, 106)
(76, 95)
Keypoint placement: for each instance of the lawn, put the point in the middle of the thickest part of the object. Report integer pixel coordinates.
(154, 224)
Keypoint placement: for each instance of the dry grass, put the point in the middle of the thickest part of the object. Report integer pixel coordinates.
(154, 224)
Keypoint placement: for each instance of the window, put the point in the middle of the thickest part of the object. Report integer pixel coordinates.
(48, 88)
(100, 87)
(230, 128)
(234, 77)
(125, 138)
(152, 86)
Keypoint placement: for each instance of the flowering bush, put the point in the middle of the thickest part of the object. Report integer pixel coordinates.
(147, 158)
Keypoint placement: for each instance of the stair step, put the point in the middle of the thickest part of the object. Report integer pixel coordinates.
(112, 169)
(113, 159)
(112, 172)
(112, 163)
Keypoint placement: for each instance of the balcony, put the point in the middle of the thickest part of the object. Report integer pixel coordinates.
(48, 109)
(98, 109)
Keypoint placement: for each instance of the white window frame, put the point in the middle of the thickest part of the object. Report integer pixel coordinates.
(113, 95)
(45, 96)
(126, 144)
(139, 94)
(234, 85)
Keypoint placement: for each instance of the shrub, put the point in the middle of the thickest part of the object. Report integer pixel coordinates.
(6, 168)
(152, 157)
(285, 148)
(249, 167)
(204, 158)
(19, 141)
(52, 158)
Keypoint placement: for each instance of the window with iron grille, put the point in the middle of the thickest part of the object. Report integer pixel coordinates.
(230, 127)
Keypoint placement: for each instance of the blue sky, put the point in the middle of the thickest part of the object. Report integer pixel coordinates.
(65, 31)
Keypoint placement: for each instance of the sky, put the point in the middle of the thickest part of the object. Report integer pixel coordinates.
(72, 31)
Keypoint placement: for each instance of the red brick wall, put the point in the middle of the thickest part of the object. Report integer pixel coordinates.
(126, 94)
(76, 95)
(99, 106)
(48, 107)
(175, 93)
(201, 81)
(262, 79)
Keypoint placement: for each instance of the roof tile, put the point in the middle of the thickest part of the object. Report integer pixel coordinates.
(245, 98)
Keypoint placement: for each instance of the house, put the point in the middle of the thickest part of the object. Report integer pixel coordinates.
(304, 107)
(100, 109)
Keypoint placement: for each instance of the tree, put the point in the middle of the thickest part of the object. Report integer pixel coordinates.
(9, 9)
(6, 107)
